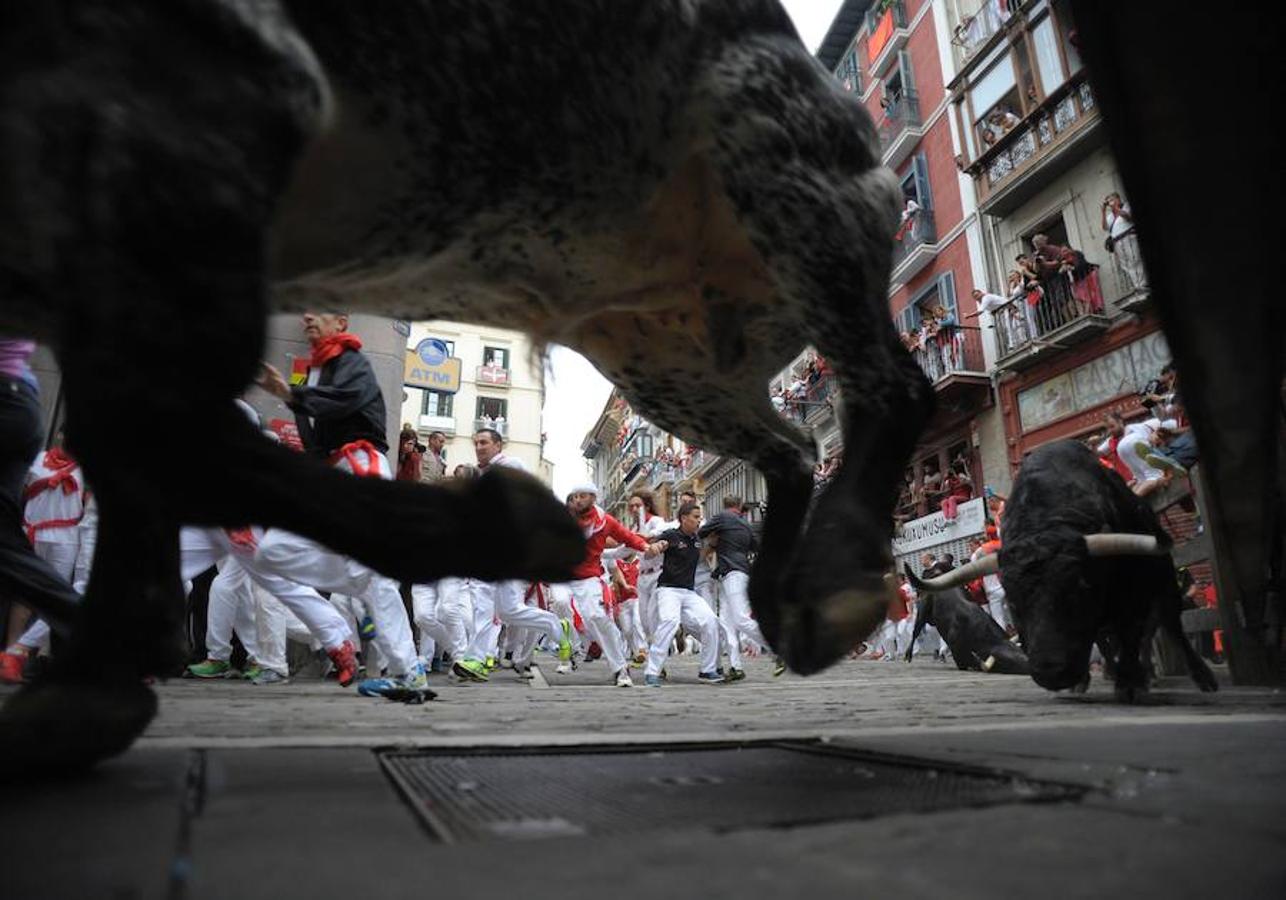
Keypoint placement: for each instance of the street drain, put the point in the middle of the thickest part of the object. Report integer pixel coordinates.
(556, 792)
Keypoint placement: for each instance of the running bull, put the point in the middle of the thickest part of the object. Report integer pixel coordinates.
(674, 188)
(977, 643)
(1082, 556)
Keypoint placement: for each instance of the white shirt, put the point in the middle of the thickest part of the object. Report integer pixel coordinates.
(509, 462)
(991, 302)
(649, 530)
(1118, 225)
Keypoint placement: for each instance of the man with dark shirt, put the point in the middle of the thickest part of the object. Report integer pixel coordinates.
(736, 541)
(677, 601)
(340, 415)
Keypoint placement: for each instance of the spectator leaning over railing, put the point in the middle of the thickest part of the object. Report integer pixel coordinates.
(1122, 241)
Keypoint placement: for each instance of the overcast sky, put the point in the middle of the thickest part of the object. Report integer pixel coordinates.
(575, 392)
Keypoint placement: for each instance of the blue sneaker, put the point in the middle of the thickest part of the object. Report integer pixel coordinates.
(710, 678)
(652, 680)
(415, 680)
(437, 666)
(366, 628)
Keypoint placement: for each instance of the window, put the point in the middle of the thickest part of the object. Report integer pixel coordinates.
(436, 403)
(496, 356)
(898, 86)
(915, 184)
(849, 72)
(941, 293)
(1048, 62)
(1053, 228)
(493, 408)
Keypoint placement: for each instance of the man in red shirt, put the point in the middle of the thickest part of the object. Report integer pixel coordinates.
(586, 588)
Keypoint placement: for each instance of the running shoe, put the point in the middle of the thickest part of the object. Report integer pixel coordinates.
(735, 675)
(211, 668)
(252, 671)
(563, 669)
(344, 658)
(623, 678)
(565, 642)
(470, 669)
(652, 680)
(524, 672)
(710, 678)
(491, 664)
(415, 680)
(778, 667)
(366, 628)
(270, 676)
(640, 657)
(11, 666)
(437, 665)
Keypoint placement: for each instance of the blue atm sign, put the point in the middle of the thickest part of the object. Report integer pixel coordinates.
(430, 367)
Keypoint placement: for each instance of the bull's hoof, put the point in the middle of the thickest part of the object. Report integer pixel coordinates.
(816, 635)
(62, 728)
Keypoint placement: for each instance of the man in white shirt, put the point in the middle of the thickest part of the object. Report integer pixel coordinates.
(1152, 470)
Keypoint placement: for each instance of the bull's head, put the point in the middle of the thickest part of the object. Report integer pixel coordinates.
(1056, 609)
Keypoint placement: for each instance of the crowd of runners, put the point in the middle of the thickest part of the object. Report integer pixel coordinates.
(647, 588)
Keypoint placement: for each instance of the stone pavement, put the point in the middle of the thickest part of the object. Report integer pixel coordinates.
(244, 791)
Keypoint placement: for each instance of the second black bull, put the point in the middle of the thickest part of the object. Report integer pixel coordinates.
(1081, 559)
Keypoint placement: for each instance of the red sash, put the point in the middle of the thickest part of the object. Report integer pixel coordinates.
(365, 468)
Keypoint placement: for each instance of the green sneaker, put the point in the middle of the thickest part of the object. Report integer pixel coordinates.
(252, 671)
(735, 675)
(491, 663)
(470, 669)
(565, 642)
(211, 668)
(778, 666)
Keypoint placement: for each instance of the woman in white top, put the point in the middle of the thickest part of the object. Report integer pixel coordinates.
(1123, 241)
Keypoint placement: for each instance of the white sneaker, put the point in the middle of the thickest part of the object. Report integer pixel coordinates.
(623, 679)
(563, 669)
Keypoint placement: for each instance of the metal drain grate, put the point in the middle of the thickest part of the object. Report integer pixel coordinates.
(604, 791)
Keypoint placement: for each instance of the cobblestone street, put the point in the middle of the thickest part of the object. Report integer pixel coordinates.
(241, 790)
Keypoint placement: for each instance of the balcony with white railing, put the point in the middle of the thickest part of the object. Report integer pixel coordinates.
(975, 32)
(498, 425)
(900, 129)
(444, 424)
(954, 362)
(1126, 280)
(493, 376)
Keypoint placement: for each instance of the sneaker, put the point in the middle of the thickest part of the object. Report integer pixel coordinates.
(524, 672)
(710, 678)
(565, 642)
(563, 669)
(652, 680)
(491, 664)
(507, 661)
(415, 680)
(778, 667)
(437, 665)
(366, 628)
(252, 671)
(623, 678)
(270, 676)
(211, 668)
(344, 658)
(735, 675)
(640, 658)
(470, 669)
(11, 666)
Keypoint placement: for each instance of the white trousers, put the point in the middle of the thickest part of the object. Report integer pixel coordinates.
(307, 562)
(201, 548)
(630, 621)
(231, 608)
(647, 604)
(587, 594)
(675, 605)
(503, 601)
(735, 617)
(63, 559)
(996, 606)
(441, 610)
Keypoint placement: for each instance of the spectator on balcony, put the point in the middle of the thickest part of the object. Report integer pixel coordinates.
(1058, 303)
(1001, 314)
(932, 484)
(779, 400)
(958, 487)
(910, 212)
(1122, 241)
(949, 338)
(1083, 276)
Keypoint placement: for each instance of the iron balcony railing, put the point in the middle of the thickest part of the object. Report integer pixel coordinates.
(1020, 324)
(915, 233)
(951, 351)
(899, 115)
(974, 32)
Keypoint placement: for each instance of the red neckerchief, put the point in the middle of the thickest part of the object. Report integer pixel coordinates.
(61, 466)
(328, 348)
(593, 521)
(366, 464)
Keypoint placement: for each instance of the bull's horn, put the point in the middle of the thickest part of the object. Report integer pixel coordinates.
(987, 565)
(1123, 545)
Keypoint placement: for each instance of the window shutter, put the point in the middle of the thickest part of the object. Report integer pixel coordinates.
(904, 66)
(947, 293)
(921, 166)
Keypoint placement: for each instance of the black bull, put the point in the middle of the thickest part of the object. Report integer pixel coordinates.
(1063, 597)
(977, 643)
(138, 213)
